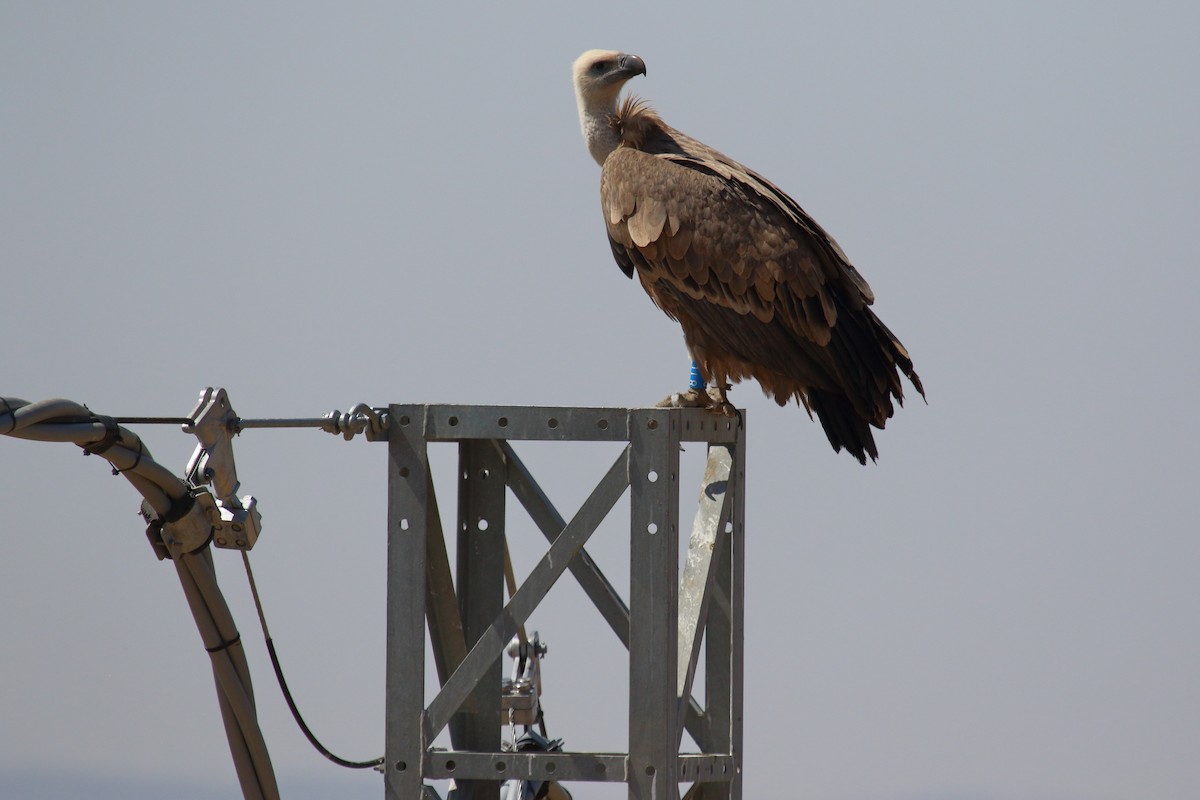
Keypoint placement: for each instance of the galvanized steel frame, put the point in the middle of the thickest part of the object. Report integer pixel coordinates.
(667, 618)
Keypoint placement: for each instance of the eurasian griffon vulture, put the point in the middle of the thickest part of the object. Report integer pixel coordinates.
(760, 289)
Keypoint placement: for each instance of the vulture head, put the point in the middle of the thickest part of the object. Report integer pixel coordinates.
(599, 76)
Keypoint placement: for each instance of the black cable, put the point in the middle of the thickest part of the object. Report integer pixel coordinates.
(136, 461)
(287, 695)
(112, 432)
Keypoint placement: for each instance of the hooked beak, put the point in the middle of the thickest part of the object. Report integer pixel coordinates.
(629, 65)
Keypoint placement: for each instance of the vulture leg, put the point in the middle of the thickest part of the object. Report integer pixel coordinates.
(694, 397)
(701, 395)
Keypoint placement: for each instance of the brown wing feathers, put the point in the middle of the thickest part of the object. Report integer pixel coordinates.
(759, 289)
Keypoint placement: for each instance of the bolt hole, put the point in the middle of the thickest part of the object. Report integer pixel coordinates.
(450, 765)
(404, 472)
(602, 424)
(483, 524)
(502, 422)
(652, 424)
(551, 766)
(484, 474)
(500, 766)
(650, 769)
(453, 421)
(552, 422)
(404, 420)
(401, 766)
(651, 528)
(600, 767)
(652, 476)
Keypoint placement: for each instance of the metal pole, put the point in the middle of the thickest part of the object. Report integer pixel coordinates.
(408, 493)
(480, 549)
(654, 604)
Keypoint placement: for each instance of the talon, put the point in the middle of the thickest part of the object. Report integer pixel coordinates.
(719, 402)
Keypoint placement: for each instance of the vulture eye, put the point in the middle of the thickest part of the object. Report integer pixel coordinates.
(599, 66)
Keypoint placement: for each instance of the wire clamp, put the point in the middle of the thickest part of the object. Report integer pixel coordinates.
(236, 523)
(112, 432)
(185, 528)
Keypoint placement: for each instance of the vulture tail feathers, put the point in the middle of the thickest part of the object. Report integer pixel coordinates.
(900, 355)
(843, 425)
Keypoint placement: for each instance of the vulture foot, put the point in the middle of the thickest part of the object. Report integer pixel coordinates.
(713, 399)
(692, 398)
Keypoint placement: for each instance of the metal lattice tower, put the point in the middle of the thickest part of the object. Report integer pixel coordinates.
(666, 620)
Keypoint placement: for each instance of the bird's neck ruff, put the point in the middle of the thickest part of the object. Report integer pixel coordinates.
(635, 122)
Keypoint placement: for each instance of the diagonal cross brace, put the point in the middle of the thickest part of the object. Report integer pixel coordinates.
(441, 605)
(586, 572)
(491, 643)
(550, 522)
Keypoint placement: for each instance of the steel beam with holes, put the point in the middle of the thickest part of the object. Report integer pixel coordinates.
(670, 622)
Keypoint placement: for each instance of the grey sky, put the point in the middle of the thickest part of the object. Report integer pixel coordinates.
(314, 208)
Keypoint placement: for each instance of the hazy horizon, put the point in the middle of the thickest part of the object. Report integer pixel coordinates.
(314, 207)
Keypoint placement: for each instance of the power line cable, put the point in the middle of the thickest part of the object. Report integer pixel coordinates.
(287, 694)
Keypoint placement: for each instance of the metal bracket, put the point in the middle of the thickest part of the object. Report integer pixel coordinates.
(187, 533)
(520, 695)
(236, 524)
(371, 422)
